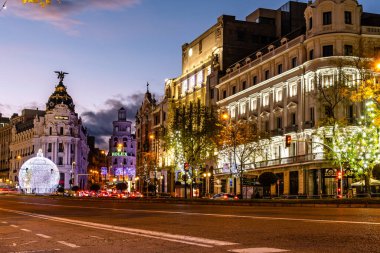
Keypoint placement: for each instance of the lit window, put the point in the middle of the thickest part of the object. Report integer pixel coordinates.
(190, 52)
(184, 86)
(208, 70)
(293, 90)
(191, 82)
(265, 99)
(327, 80)
(253, 104)
(310, 85)
(199, 78)
(242, 108)
(233, 112)
(278, 95)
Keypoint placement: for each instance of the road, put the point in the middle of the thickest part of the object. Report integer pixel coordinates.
(42, 224)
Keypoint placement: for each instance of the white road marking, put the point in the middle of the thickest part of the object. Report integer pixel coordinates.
(9, 238)
(34, 251)
(26, 230)
(71, 245)
(258, 250)
(217, 215)
(202, 242)
(43, 236)
(26, 243)
(4, 222)
(97, 237)
(14, 226)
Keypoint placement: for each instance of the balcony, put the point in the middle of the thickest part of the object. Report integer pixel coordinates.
(276, 132)
(291, 129)
(315, 157)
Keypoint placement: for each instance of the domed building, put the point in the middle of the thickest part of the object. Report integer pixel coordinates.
(60, 134)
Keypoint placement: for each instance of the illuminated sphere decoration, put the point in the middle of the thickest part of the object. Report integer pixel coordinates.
(39, 175)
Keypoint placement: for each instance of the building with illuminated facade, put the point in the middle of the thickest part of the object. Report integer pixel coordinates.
(5, 139)
(122, 150)
(276, 87)
(59, 132)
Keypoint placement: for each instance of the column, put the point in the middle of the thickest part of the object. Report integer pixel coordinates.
(286, 182)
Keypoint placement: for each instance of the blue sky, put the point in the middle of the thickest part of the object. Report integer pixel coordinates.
(110, 48)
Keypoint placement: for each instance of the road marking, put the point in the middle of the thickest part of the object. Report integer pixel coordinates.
(9, 238)
(26, 230)
(71, 245)
(34, 251)
(258, 250)
(202, 242)
(43, 236)
(217, 215)
(4, 222)
(14, 226)
(97, 237)
(26, 243)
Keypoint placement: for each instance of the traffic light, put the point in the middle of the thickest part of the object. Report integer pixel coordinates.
(186, 166)
(339, 175)
(288, 140)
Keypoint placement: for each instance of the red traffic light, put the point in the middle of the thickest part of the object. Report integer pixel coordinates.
(288, 140)
(186, 166)
(339, 175)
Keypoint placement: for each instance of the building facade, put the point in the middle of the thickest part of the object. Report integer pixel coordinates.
(122, 150)
(59, 132)
(277, 88)
(5, 140)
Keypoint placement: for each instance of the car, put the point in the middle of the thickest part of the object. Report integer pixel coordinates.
(225, 196)
(134, 195)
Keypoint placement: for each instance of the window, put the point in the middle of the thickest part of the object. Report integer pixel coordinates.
(293, 90)
(164, 116)
(328, 111)
(60, 147)
(310, 85)
(294, 62)
(199, 78)
(266, 74)
(349, 79)
(50, 131)
(312, 117)
(328, 50)
(212, 93)
(253, 104)
(278, 97)
(279, 122)
(279, 68)
(347, 18)
(242, 108)
(184, 87)
(254, 80)
(311, 54)
(233, 112)
(327, 80)
(266, 99)
(224, 94)
(327, 18)
(293, 118)
(200, 46)
(310, 23)
(244, 85)
(348, 51)
(233, 90)
(60, 160)
(49, 147)
(191, 83)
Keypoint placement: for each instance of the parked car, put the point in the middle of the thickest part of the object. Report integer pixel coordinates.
(225, 196)
(134, 195)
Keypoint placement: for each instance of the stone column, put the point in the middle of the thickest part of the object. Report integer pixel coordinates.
(286, 182)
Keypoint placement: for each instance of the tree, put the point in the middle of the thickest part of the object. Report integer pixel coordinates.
(121, 186)
(95, 187)
(191, 136)
(267, 179)
(239, 140)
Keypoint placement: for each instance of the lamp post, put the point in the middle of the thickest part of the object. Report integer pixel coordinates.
(154, 149)
(160, 189)
(137, 183)
(207, 176)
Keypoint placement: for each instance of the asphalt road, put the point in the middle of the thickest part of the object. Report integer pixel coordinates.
(36, 224)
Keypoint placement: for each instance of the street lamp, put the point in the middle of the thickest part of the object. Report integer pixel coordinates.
(207, 176)
(137, 181)
(161, 177)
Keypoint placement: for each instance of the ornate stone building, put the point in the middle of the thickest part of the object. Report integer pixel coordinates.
(276, 87)
(59, 132)
(122, 150)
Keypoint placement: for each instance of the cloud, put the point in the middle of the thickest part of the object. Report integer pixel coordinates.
(99, 124)
(62, 15)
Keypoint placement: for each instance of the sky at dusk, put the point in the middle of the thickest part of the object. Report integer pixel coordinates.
(110, 48)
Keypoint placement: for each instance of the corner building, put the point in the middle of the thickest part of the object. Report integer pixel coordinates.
(59, 132)
(276, 88)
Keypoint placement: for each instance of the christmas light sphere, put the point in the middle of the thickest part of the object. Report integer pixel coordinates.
(39, 175)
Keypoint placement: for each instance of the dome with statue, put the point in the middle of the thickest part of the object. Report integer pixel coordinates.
(39, 175)
(60, 95)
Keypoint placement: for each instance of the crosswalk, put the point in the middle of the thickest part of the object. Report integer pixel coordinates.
(258, 250)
